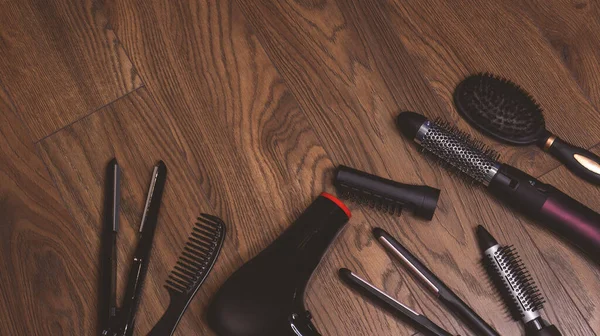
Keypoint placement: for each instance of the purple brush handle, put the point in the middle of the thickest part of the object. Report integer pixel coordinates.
(550, 207)
(574, 221)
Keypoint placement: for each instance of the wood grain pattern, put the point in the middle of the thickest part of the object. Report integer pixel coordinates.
(45, 277)
(60, 60)
(311, 45)
(573, 30)
(251, 104)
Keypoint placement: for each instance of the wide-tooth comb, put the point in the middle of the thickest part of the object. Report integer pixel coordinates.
(195, 263)
(385, 195)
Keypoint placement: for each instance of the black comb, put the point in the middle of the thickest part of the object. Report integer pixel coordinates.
(385, 195)
(195, 263)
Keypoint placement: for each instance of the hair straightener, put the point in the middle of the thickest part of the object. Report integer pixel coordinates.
(437, 287)
(542, 202)
(383, 299)
(116, 321)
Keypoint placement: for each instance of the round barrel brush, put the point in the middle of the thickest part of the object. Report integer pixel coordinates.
(547, 205)
(515, 284)
(504, 111)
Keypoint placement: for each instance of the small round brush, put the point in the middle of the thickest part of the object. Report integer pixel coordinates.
(515, 284)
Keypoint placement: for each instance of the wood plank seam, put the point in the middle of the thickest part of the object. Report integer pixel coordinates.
(89, 114)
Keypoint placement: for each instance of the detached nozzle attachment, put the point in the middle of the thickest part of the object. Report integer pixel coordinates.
(386, 195)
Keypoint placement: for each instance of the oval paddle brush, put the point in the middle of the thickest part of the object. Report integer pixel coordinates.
(504, 111)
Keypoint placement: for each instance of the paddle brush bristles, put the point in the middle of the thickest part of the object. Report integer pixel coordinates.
(499, 108)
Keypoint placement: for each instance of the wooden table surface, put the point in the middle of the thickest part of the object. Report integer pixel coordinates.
(251, 104)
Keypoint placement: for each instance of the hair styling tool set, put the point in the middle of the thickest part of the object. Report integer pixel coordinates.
(265, 296)
(542, 202)
(193, 266)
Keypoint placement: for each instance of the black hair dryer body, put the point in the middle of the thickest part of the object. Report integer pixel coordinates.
(266, 295)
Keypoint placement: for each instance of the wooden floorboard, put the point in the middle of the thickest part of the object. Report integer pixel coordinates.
(47, 276)
(573, 30)
(348, 62)
(60, 61)
(251, 104)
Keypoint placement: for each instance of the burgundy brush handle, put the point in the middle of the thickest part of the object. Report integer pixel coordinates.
(549, 207)
(572, 220)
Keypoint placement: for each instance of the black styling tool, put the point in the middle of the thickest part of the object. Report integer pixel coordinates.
(121, 321)
(515, 284)
(434, 284)
(196, 261)
(379, 297)
(542, 202)
(266, 295)
(385, 195)
(504, 111)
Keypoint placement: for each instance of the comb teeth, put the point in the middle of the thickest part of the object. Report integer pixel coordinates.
(516, 285)
(198, 255)
(374, 201)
